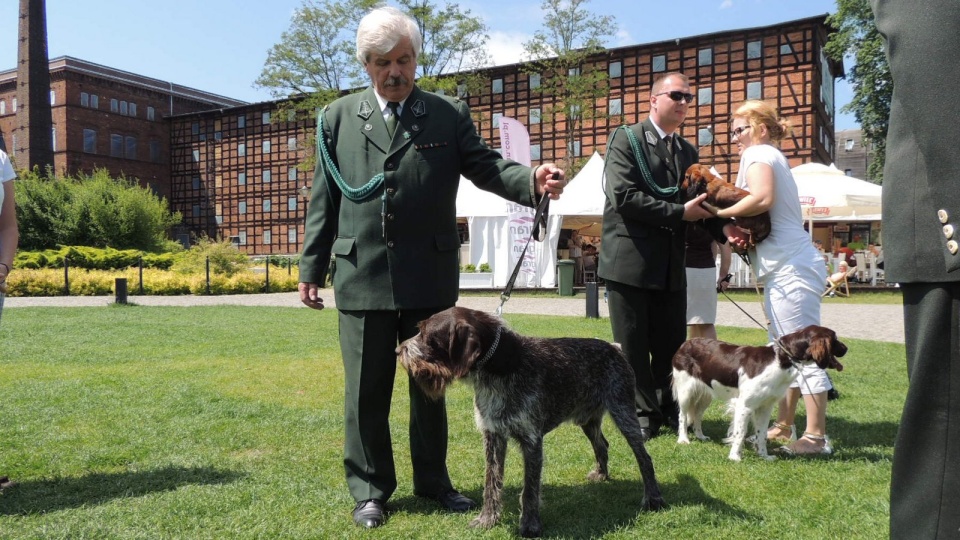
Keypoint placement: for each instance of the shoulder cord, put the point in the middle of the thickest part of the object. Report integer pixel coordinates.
(354, 194)
(644, 168)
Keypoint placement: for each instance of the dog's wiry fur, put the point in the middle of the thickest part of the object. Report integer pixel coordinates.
(722, 194)
(525, 389)
(752, 379)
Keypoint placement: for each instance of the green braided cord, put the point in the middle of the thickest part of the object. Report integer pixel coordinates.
(354, 194)
(644, 168)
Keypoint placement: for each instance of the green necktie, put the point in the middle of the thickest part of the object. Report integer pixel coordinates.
(392, 120)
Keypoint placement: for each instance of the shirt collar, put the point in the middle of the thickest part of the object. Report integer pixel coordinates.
(383, 104)
(660, 130)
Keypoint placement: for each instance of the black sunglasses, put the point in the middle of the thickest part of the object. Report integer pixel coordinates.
(735, 134)
(677, 95)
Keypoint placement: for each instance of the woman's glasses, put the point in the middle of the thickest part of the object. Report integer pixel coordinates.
(735, 134)
(677, 95)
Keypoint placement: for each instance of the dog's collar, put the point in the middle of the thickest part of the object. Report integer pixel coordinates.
(491, 350)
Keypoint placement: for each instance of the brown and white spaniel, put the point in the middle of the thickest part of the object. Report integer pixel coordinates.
(751, 379)
(722, 194)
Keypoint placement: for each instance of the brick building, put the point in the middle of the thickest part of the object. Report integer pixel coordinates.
(108, 118)
(232, 169)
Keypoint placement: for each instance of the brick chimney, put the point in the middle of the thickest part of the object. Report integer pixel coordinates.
(34, 121)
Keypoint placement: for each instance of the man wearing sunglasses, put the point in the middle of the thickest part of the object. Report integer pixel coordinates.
(642, 259)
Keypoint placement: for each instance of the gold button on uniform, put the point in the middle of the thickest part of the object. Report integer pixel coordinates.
(943, 216)
(952, 247)
(948, 231)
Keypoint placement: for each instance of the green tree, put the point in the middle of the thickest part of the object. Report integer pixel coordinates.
(315, 60)
(454, 42)
(560, 53)
(857, 36)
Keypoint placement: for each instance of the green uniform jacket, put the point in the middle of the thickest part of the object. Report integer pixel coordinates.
(398, 247)
(643, 232)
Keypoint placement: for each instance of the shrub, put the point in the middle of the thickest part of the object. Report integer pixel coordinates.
(224, 258)
(485, 268)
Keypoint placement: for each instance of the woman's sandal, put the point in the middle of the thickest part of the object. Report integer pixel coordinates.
(780, 428)
(808, 445)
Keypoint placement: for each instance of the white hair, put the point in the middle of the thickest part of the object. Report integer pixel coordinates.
(381, 29)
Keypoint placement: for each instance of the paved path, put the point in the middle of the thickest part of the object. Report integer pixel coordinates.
(875, 322)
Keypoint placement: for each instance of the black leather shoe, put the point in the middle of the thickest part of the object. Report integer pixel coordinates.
(453, 501)
(369, 513)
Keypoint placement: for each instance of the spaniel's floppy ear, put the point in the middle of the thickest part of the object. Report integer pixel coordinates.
(465, 347)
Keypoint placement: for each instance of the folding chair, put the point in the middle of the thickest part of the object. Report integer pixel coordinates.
(838, 282)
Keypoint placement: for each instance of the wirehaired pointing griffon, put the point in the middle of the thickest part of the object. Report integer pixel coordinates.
(524, 388)
(752, 379)
(722, 194)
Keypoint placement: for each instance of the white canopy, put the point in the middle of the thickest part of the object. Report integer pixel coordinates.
(581, 204)
(826, 194)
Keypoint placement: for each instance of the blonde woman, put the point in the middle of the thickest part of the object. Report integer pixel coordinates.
(786, 263)
(8, 240)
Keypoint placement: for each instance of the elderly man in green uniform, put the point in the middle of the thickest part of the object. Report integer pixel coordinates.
(384, 204)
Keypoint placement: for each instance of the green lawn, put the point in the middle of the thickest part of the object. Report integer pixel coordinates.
(225, 422)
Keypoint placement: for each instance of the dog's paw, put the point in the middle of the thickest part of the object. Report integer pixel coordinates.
(483, 521)
(653, 504)
(531, 529)
(597, 476)
(735, 456)
(683, 440)
(703, 438)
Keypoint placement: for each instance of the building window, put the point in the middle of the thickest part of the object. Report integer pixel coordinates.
(241, 121)
(53, 139)
(292, 174)
(615, 70)
(53, 98)
(123, 108)
(534, 152)
(266, 147)
(291, 143)
(130, 148)
(575, 110)
(195, 128)
(498, 86)
(577, 149)
(242, 207)
(705, 57)
(151, 113)
(848, 144)
(265, 118)
(196, 210)
(705, 96)
(496, 119)
(133, 109)
(241, 149)
(615, 107)
(267, 238)
(266, 176)
(14, 103)
(116, 145)
(786, 49)
(218, 219)
(196, 156)
(534, 80)
(461, 91)
(196, 183)
(114, 105)
(241, 178)
(84, 100)
(291, 203)
(90, 141)
(3, 107)
(94, 101)
(535, 115)
(704, 136)
(155, 151)
(659, 63)
(755, 90)
(848, 172)
(754, 49)
(291, 116)
(292, 236)
(267, 205)
(242, 236)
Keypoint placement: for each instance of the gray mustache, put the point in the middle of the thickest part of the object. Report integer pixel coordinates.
(396, 81)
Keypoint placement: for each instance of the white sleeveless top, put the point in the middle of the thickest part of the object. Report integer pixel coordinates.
(6, 173)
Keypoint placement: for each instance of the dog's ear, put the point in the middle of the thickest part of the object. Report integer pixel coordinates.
(465, 347)
(821, 347)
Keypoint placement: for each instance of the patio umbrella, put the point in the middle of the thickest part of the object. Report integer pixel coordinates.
(826, 194)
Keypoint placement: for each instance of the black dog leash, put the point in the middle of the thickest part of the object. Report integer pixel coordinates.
(539, 225)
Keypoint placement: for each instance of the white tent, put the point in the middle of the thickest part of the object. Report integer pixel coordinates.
(826, 194)
(581, 204)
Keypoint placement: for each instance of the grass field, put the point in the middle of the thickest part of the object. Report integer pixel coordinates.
(129, 422)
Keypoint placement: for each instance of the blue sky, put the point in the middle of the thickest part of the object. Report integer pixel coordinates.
(220, 45)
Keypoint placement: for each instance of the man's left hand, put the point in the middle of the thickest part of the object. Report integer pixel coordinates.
(550, 179)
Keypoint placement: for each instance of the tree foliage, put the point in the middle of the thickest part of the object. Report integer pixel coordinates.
(91, 210)
(857, 36)
(315, 59)
(559, 52)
